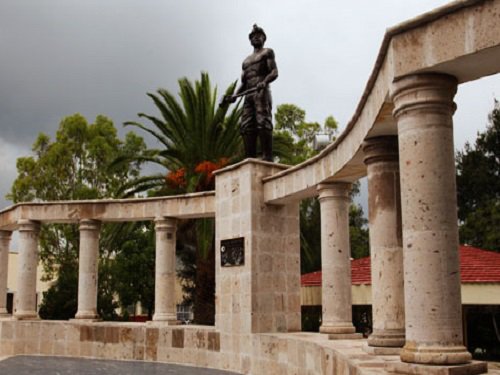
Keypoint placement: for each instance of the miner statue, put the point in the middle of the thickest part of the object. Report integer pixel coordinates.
(259, 70)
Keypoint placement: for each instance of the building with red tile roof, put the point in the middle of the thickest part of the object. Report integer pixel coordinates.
(479, 271)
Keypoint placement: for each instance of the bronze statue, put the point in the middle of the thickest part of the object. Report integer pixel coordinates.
(259, 70)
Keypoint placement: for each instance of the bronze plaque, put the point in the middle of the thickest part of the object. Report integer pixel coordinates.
(232, 252)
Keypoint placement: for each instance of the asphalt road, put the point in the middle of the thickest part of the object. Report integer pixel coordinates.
(32, 365)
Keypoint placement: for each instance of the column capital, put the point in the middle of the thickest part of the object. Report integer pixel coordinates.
(26, 225)
(165, 223)
(428, 92)
(381, 149)
(90, 225)
(339, 190)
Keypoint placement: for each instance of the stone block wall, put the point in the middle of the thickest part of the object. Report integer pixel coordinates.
(194, 345)
(261, 353)
(263, 295)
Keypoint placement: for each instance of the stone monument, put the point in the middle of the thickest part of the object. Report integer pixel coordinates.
(259, 70)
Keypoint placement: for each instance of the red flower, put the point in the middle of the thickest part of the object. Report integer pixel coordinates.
(206, 168)
(176, 179)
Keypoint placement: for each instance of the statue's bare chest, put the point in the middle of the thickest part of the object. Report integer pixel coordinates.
(256, 61)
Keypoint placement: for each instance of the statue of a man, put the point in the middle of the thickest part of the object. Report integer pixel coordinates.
(259, 70)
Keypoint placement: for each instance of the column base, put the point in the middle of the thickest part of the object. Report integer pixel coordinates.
(435, 355)
(381, 350)
(87, 315)
(167, 319)
(473, 368)
(26, 316)
(336, 329)
(5, 316)
(387, 338)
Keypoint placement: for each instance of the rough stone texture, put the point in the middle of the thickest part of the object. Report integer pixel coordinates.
(472, 368)
(381, 350)
(460, 39)
(88, 269)
(263, 295)
(25, 298)
(193, 205)
(165, 308)
(268, 353)
(384, 207)
(424, 108)
(334, 200)
(4, 269)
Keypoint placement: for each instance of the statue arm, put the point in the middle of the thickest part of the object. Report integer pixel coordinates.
(273, 69)
(243, 84)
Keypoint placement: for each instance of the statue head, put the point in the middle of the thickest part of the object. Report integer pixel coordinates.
(257, 30)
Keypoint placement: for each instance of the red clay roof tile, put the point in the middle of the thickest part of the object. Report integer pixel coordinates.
(476, 266)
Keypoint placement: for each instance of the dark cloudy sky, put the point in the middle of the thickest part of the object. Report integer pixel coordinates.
(58, 57)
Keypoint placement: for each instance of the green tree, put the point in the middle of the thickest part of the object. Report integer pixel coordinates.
(75, 166)
(294, 140)
(478, 187)
(197, 136)
(134, 268)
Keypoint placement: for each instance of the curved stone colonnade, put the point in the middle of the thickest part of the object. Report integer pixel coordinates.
(26, 218)
(401, 137)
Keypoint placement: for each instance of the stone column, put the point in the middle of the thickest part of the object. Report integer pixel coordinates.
(334, 200)
(88, 264)
(384, 208)
(423, 109)
(165, 307)
(25, 300)
(4, 270)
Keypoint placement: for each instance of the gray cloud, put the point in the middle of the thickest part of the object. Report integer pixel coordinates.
(65, 56)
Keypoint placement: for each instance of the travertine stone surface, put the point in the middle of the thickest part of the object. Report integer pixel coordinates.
(88, 269)
(263, 295)
(384, 207)
(201, 346)
(4, 269)
(165, 309)
(25, 298)
(334, 200)
(423, 108)
(193, 205)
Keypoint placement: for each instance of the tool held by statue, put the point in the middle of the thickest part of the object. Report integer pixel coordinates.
(226, 99)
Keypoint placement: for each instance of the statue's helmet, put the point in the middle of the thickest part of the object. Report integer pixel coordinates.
(256, 29)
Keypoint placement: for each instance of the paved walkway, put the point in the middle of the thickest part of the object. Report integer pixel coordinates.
(31, 365)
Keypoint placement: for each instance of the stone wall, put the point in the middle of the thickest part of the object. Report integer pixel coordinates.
(277, 354)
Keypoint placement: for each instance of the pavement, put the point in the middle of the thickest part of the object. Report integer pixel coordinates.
(33, 365)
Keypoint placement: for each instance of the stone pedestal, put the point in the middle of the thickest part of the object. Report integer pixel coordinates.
(263, 293)
(423, 109)
(88, 269)
(334, 200)
(25, 297)
(386, 252)
(4, 270)
(165, 307)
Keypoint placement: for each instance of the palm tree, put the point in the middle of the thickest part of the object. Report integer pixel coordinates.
(197, 137)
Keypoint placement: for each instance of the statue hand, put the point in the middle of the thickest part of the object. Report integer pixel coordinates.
(261, 86)
(228, 99)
